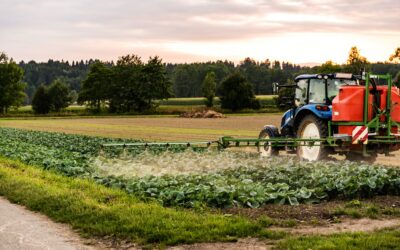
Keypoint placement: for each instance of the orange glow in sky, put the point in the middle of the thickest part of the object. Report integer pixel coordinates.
(299, 31)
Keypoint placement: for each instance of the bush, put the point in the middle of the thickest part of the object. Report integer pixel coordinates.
(236, 93)
(41, 102)
(53, 98)
(59, 94)
(209, 88)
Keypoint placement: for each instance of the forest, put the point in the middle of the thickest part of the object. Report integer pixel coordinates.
(186, 78)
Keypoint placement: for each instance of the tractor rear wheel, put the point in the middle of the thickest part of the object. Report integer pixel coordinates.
(265, 149)
(312, 127)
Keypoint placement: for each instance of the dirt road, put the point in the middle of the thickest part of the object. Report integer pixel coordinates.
(23, 229)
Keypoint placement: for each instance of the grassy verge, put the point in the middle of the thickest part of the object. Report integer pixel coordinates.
(386, 239)
(97, 211)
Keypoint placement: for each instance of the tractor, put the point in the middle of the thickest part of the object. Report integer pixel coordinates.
(340, 113)
(337, 113)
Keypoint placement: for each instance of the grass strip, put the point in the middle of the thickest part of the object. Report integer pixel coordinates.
(384, 239)
(97, 211)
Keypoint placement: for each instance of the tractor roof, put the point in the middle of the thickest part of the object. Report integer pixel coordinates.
(306, 76)
(331, 76)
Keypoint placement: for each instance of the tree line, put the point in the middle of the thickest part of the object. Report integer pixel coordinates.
(130, 84)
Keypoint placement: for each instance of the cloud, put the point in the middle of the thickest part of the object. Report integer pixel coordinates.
(29, 28)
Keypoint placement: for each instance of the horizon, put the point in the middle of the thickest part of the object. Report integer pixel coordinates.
(300, 32)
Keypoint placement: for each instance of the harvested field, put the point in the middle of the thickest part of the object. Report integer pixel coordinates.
(152, 129)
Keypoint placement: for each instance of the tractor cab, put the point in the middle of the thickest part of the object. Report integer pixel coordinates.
(314, 94)
(320, 88)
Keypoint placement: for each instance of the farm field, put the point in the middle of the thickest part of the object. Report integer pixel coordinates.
(203, 183)
(169, 106)
(153, 128)
(161, 128)
(206, 184)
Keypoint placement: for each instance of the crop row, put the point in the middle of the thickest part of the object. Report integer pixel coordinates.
(277, 180)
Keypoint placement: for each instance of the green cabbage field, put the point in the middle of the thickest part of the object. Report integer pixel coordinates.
(188, 178)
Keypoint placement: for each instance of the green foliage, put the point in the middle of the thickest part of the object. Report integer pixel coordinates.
(59, 94)
(209, 88)
(187, 79)
(356, 63)
(328, 68)
(280, 180)
(41, 102)
(395, 57)
(95, 88)
(387, 239)
(396, 80)
(55, 97)
(45, 73)
(155, 84)
(97, 211)
(285, 98)
(11, 88)
(136, 85)
(236, 93)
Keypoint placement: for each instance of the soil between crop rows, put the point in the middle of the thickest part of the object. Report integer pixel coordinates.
(324, 212)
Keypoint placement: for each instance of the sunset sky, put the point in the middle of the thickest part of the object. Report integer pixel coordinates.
(199, 30)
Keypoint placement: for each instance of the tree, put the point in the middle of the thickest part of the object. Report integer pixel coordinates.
(236, 93)
(95, 88)
(396, 79)
(154, 84)
(328, 67)
(123, 92)
(136, 85)
(74, 96)
(59, 95)
(209, 88)
(356, 63)
(395, 57)
(11, 86)
(41, 101)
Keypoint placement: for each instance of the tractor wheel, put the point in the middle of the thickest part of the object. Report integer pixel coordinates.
(265, 149)
(311, 127)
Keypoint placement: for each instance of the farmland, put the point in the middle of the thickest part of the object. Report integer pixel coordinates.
(159, 128)
(151, 129)
(202, 183)
(242, 180)
(164, 107)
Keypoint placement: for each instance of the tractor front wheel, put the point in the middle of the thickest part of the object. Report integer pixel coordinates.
(265, 148)
(311, 127)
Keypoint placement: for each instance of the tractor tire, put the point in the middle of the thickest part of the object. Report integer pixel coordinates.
(264, 149)
(312, 127)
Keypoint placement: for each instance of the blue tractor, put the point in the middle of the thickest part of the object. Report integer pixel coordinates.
(311, 109)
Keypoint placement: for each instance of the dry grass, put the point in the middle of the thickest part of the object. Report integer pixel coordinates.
(152, 129)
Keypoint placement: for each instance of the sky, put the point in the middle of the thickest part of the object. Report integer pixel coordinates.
(304, 31)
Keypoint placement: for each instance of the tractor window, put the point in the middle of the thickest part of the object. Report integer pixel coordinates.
(317, 91)
(335, 84)
(301, 93)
